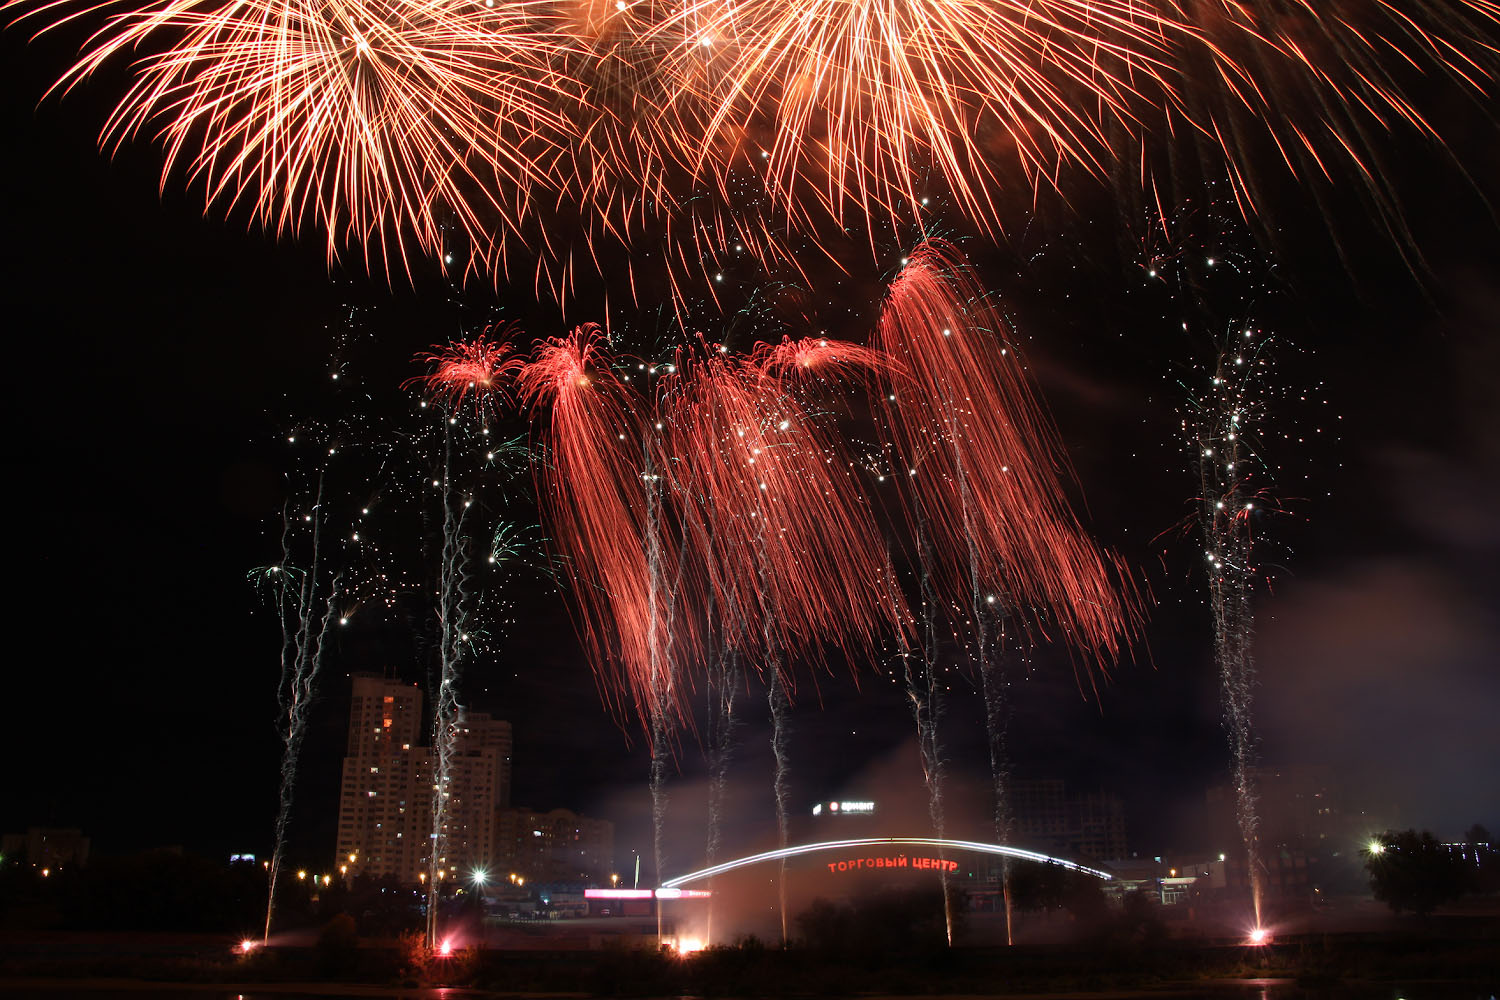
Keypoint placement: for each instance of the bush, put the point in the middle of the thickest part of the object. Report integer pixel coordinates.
(338, 946)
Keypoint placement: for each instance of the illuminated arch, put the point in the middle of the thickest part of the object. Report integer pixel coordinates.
(972, 846)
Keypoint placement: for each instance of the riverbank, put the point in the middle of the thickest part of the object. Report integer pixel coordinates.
(1329, 964)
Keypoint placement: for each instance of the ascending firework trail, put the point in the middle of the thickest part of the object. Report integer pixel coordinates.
(723, 682)
(1222, 419)
(923, 693)
(466, 375)
(454, 610)
(983, 495)
(306, 606)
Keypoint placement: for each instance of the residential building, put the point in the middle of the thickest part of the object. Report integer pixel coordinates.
(556, 846)
(385, 805)
(1078, 826)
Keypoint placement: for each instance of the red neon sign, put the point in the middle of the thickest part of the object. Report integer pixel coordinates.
(899, 861)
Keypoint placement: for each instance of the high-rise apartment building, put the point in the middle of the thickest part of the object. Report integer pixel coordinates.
(1079, 825)
(478, 788)
(386, 798)
(556, 846)
(1297, 806)
(385, 807)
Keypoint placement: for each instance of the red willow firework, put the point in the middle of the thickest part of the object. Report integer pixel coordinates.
(479, 372)
(598, 477)
(984, 460)
(787, 543)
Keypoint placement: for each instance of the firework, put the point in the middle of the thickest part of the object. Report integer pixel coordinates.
(307, 603)
(1225, 517)
(1315, 87)
(855, 103)
(835, 363)
(1228, 404)
(470, 375)
(600, 464)
(477, 372)
(789, 550)
(328, 568)
(385, 124)
(993, 528)
(793, 545)
(983, 459)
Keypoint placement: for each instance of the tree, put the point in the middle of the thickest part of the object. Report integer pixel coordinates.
(1413, 871)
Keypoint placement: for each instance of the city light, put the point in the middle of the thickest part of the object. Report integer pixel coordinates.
(686, 946)
(480, 876)
(1376, 847)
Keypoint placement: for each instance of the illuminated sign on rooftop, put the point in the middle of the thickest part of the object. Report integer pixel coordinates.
(845, 808)
(664, 893)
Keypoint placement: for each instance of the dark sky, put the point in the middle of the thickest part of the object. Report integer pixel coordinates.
(156, 354)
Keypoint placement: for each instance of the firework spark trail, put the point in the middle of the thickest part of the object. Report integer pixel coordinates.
(852, 102)
(970, 421)
(473, 375)
(478, 372)
(663, 606)
(983, 609)
(594, 497)
(924, 698)
(794, 546)
(781, 705)
(790, 551)
(1318, 87)
(723, 684)
(988, 617)
(454, 611)
(296, 595)
(1223, 418)
(379, 122)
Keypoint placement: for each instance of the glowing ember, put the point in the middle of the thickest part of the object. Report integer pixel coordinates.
(247, 946)
(446, 948)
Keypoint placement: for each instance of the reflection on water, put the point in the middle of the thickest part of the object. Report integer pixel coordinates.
(1250, 989)
(172, 991)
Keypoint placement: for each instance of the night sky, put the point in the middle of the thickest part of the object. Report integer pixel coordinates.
(156, 355)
